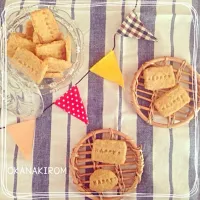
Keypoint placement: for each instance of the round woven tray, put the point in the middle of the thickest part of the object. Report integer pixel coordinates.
(129, 174)
(143, 99)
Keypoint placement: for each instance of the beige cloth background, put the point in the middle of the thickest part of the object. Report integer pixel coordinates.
(168, 154)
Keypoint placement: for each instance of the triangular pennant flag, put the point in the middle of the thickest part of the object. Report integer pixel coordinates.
(23, 134)
(72, 103)
(109, 69)
(133, 27)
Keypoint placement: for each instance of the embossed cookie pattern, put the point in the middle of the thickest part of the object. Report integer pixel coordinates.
(45, 25)
(156, 78)
(172, 101)
(109, 151)
(103, 180)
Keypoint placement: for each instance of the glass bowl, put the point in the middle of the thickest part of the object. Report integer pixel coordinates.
(16, 21)
(20, 95)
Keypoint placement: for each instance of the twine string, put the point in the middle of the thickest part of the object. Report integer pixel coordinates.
(83, 77)
(136, 4)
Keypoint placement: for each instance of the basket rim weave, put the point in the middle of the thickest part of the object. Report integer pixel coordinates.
(135, 82)
(129, 141)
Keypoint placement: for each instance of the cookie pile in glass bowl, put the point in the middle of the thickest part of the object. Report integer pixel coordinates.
(42, 45)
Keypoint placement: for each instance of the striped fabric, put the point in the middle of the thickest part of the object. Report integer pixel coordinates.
(169, 154)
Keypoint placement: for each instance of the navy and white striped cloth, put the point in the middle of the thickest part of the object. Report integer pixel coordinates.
(169, 154)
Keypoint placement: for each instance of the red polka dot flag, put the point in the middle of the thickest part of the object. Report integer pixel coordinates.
(72, 103)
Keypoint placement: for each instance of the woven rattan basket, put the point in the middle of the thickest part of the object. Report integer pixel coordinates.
(129, 174)
(143, 99)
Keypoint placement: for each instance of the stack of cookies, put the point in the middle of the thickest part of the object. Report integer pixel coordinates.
(163, 77)
(109, 152)
(42, 51)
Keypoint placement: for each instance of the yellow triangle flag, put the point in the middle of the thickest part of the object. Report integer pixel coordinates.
(22, 134)
(109, 69)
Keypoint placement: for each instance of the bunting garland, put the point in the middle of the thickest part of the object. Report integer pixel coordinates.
(71, 102)
(107, 68)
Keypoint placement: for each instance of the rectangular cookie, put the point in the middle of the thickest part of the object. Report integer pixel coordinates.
(16, 40)
(29, 28)
(29, 64)
(53, 75)
(45, 25)
(109, 151)
(55, 49)
(57, 65)
(172, 101)
(156, 78)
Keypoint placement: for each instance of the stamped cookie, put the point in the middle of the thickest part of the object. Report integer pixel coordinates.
(57, 65)
(172, 101)
(45, 25)
(29, 64)
(103, 180)
(156, 78)
(19, 40)
(109, 151)
(55, 49)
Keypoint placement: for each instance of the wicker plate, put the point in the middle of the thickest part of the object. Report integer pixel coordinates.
(129, 174)
(143, 99)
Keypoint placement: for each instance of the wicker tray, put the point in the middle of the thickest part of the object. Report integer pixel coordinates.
(143, 100)
(129, 174)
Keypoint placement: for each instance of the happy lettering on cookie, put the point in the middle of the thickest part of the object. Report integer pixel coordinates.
(109, 151)
(103, 180)
(172, 101)
(103, 151)
(156, 78)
